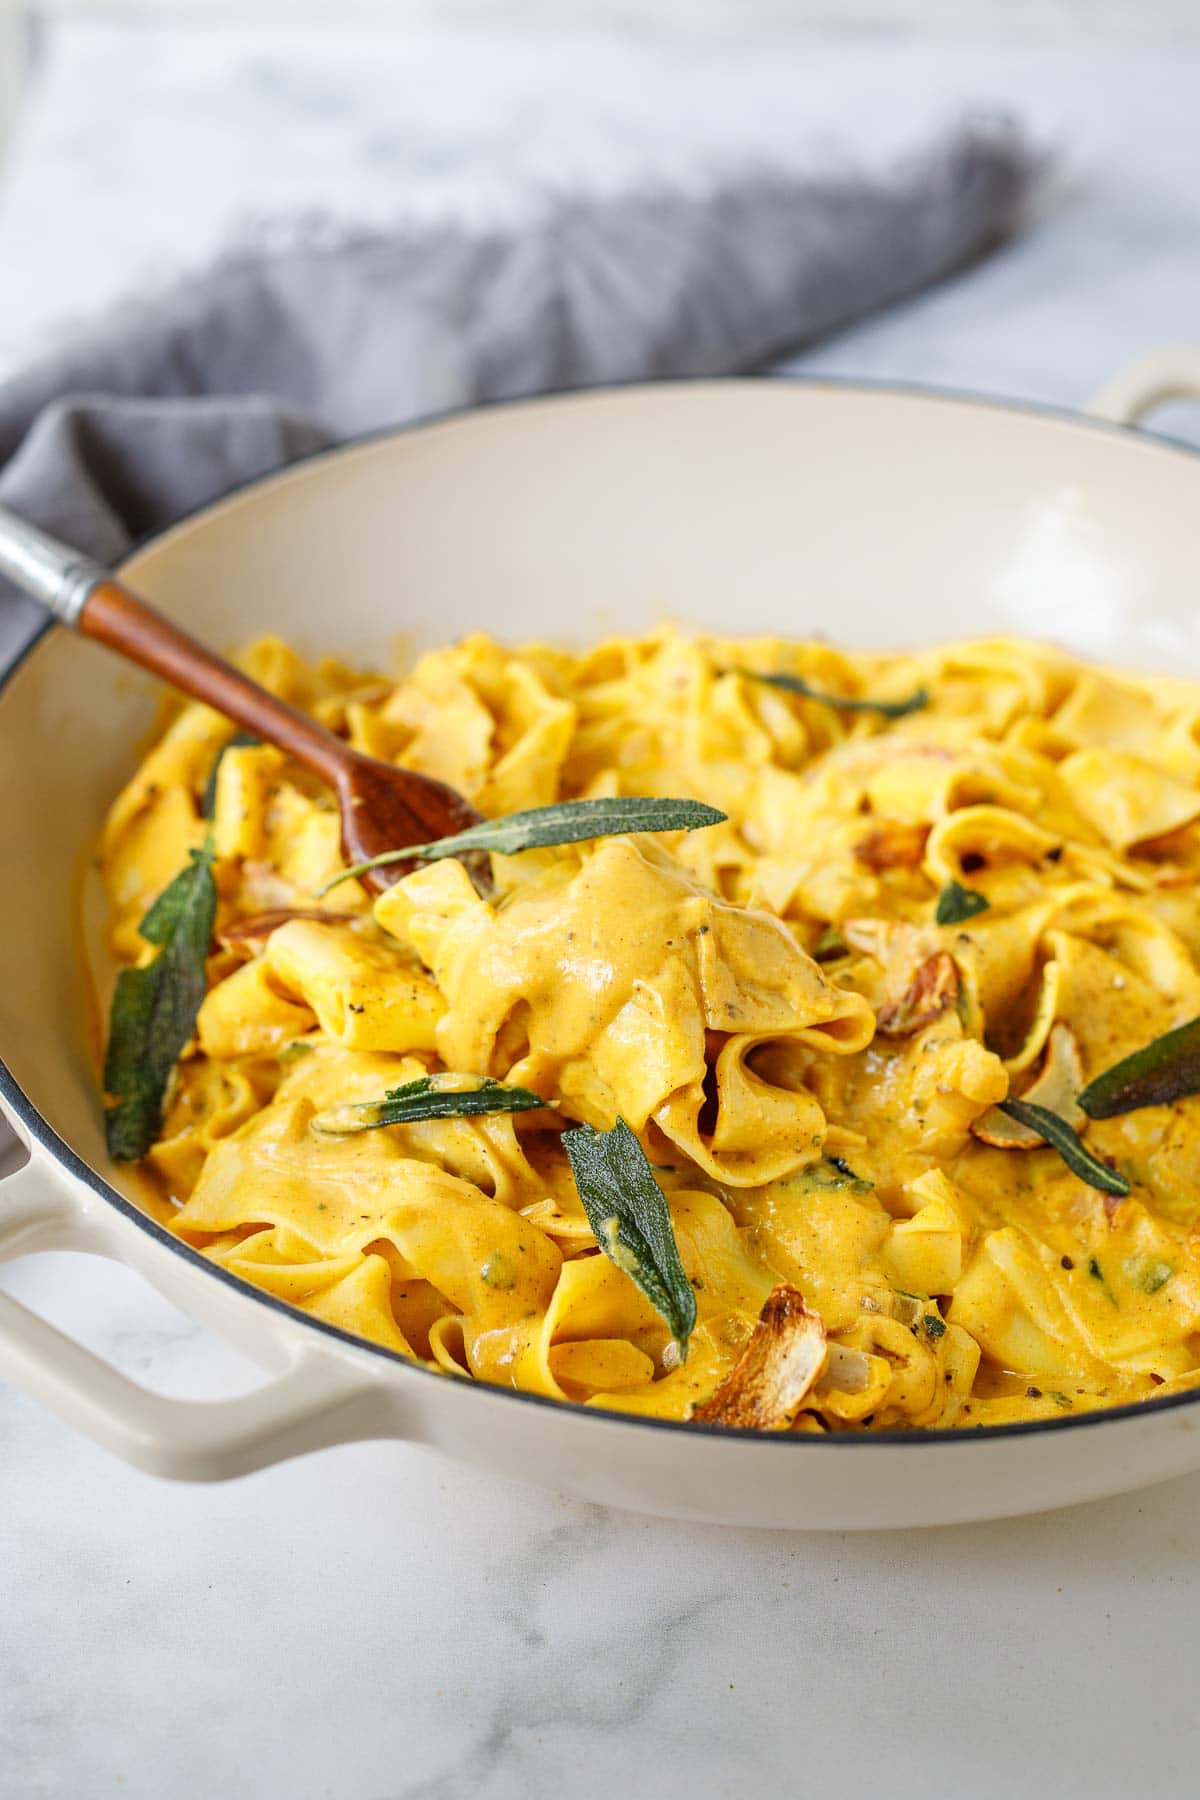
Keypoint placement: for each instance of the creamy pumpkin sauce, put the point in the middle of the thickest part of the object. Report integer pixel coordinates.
(812, 1063)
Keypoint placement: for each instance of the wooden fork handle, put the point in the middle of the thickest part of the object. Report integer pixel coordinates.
(114, 617)
(83, 594)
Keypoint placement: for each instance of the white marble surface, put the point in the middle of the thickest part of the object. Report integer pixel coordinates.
(141, 147)
(375, 1623)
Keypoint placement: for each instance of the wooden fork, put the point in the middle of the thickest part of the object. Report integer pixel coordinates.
(382, 807)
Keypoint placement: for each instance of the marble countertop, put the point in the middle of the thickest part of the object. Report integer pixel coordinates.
(375, 1622)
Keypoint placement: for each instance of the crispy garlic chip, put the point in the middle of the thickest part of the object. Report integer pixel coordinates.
(893, 844)
(248, 936)
(775, 1372)
(932, 990)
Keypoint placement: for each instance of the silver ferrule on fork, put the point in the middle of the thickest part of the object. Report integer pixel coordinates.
(46, 570)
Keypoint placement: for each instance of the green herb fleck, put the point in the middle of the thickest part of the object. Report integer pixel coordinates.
(429, 1097)
(831, 1174)
(908, 1308)
(1163, 1070)
(956, 903)
(843, 1168)
(1149, 1273)
(498, 1272)
(1097, 1274)
(934, 1326)
(795, 684)
(1059, 1134)
(829, 945)
(154, 1008)
(241, 740)
(543, 827)
(628, 1212)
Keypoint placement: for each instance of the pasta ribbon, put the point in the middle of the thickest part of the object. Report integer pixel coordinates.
(811, 1014)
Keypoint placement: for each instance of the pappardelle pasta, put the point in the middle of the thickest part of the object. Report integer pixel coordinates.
(856, 1110)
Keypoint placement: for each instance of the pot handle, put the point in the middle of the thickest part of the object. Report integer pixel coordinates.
(1148, 382)
(316, 1401)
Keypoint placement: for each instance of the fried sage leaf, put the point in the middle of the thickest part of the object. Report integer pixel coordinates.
(956, 903)
(241, 740)
(1166, 1069)
(154, 1008)
(796, 684)
(429, 1097)
(628, 1212)
(1058, 1133)
(542, 827)
(1056, 1088)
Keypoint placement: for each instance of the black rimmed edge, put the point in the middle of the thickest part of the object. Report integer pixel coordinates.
(42, 1133)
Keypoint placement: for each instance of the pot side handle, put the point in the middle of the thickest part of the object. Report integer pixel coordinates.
(1148, 382)
(318, 1400)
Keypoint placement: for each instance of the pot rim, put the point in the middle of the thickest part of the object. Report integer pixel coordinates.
(46, 1138)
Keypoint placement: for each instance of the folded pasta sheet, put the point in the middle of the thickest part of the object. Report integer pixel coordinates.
(946, 885)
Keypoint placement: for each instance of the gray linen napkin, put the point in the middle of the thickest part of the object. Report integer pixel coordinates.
(275, 352)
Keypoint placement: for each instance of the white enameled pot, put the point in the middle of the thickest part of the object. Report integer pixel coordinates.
(877, 517)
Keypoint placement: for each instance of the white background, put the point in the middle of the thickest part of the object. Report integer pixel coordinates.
(1030, 21)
